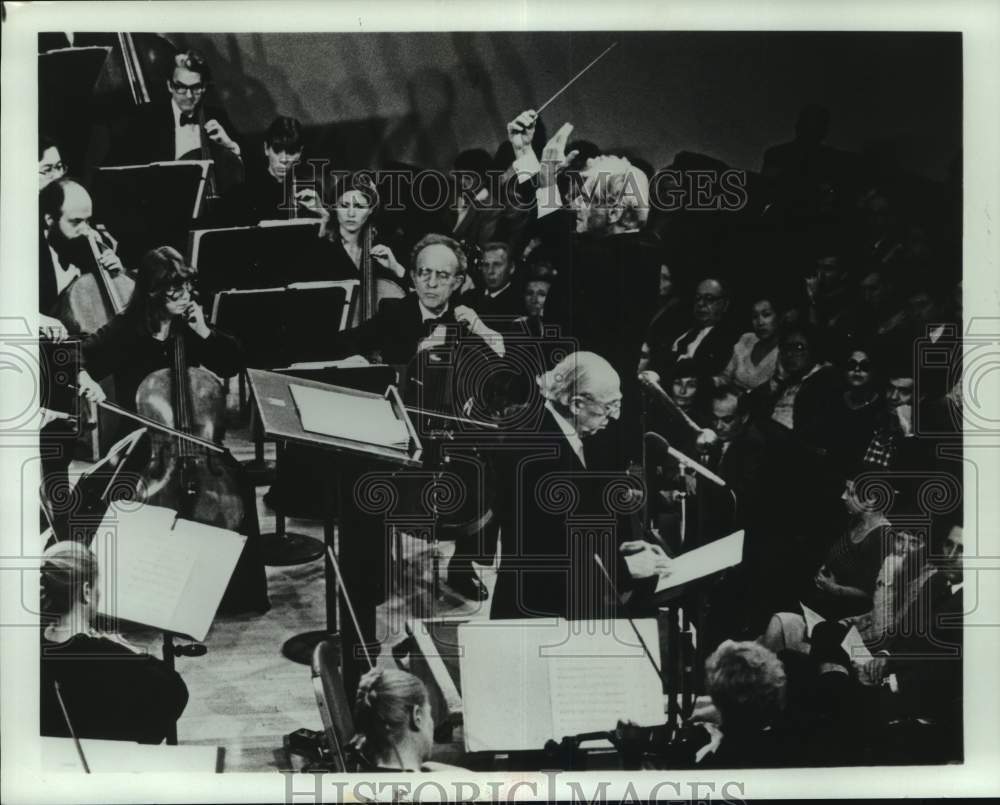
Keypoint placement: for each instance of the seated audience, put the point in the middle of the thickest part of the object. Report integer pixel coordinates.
(755, 355)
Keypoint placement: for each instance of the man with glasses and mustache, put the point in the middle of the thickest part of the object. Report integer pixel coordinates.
(165, 131)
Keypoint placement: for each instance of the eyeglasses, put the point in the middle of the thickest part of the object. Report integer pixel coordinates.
(859, 366)
(48, 170)
(178, 290)
(707, 298)
(187, 89)
(793, 346)
(425, 274)
(611, 409)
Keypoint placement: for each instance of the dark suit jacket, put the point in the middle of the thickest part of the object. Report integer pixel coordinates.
(548, 504)
(149, 136)
(394, 332)
(79, 256)
(110, 692)
(712, 354)
(507, 303)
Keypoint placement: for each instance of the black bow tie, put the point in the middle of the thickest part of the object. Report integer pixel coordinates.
(188, 118)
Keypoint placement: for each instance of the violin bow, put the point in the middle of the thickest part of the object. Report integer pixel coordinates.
(350, 606)
(152, 423)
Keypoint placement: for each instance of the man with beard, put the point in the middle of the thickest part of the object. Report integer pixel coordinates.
(63, 249)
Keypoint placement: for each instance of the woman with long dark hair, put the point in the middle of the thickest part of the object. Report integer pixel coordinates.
(137, 341)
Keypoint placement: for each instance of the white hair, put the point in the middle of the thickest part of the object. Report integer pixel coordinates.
(615, 181)
(575, 374)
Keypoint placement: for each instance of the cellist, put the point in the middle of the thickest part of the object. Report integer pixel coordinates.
(163, 321)
(342, 234)
(64, 251)
(136, 342)
(173, 128)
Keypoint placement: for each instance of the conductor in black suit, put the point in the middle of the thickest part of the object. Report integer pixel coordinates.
(172, 129)
(547, 566)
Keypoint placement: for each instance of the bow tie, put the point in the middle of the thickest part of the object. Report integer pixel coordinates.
(188, 119)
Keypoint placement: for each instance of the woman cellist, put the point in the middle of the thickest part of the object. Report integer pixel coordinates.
(137, 341)
(347, 236)
(168, 363)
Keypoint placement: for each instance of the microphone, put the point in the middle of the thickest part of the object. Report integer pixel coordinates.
(687, 461)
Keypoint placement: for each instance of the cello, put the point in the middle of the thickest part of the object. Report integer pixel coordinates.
(374, 289)
(94, 298)
(199, 484)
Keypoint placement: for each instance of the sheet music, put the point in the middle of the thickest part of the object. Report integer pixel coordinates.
(141, 575)
(162, 572)
(217, 551)
(703, 561)
(526, 682)
(349, 416)
(595, 680)
(500, 663)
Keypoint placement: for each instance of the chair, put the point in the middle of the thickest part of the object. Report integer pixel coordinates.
(331, 699)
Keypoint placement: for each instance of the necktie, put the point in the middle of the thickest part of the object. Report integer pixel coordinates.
(188, 119)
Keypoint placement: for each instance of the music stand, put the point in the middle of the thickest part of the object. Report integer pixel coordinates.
(66, 81)
(281, 326)
(280, 420)
(150, 205)
(263, 256)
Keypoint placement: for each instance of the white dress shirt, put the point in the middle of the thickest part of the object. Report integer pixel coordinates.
(695, 342)
(186, 138)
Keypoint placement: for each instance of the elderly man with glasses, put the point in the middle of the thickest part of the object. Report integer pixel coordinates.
(551, 480)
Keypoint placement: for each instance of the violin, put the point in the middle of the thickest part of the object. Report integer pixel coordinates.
(200, 484)
(94, 298)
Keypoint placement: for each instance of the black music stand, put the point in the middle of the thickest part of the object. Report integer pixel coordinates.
(268, 255)
(66, 81)
(146, 206)
(281, 326)
(280, 420)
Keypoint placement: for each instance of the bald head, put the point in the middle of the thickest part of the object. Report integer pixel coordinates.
(711, 301)
(585, 389)
(66, 209)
